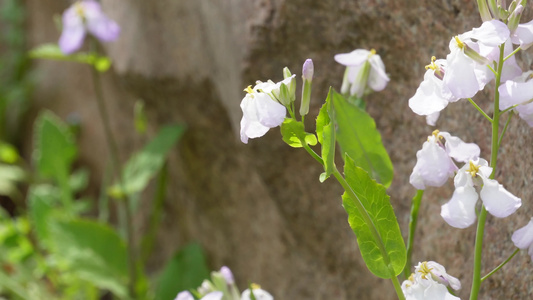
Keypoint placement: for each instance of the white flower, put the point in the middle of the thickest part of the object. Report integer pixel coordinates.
(523, 238)
(259, 294)
(213, 296)
(274, 89)
(466, 72)
(260, 113)
(434, 163)
(365, 70)
(185, 295)
(432, 95)
(460, 211)
(429, 281)
(518, 91)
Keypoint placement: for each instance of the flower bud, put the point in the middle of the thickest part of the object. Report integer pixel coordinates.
(307, 70)
(307, 76)
(514, 18)
(484, 10)
(286, 73)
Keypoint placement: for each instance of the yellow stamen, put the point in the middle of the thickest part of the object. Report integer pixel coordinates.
(255, 286)
(425, 270)
(459, 43)
(433, 66)
(249, 89)
(473, 169)
(79, 10)
(372, 53)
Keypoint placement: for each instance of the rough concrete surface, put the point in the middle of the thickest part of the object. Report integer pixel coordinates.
(259, 208)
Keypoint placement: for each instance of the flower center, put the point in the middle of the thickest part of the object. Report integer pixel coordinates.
(78, 7)
(473, 169)
(249, 90)
(255, 286)
(425, 270)
(433, 66)
(372, 53)
(460, 44)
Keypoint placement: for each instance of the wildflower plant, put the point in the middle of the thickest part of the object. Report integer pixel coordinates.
(480, 58)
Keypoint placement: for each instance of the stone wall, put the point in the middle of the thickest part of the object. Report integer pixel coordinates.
(259, 208)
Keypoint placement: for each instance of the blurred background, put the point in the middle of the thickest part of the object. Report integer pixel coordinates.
(259, 208)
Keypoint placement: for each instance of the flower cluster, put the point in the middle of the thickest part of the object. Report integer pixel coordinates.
(222, 286)
(82, 17)
(430, 281)
(468, 68)
(435, 165)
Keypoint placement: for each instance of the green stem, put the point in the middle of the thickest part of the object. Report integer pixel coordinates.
(415, 206)
(113, 149)
(512, 53)
(504, 129)
(476, 277)
(365, 216)
(501, 265)
(479, 109)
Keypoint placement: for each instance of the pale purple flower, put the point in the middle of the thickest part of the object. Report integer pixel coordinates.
(518, 91)
(213, 296)
(434, 163)
(308, 70)
(260, 113)
(82, 17)
(432, 95)
(466, 72)
(460, 211)
(364, 71)
(259, 294)
(523, 238)
(429, 281)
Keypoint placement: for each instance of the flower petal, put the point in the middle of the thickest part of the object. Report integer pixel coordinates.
(460, 211)
(73, 31)
(497, 200)
(98, 24)
(460, 77)
(491, 33)
(185, 295)
(354, 58)
(433, 166)
(523, 237)
(213, 296)
(459, 150)
(377, 79)
(515, 92)
(523, 35)
(429, 98)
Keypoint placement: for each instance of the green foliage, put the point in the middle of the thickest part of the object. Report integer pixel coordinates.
(139, 116)
(52, 52)
(357, 136)
(186, 270)
(93, 251)
(145, 164)
(293, 133)
(384, 260)
(325, 130)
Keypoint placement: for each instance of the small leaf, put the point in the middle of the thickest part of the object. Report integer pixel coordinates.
(357, 135)
(140, 117)
(293, 132)
(186, 270)
(375, 201)
(325, 130)
(52, 52)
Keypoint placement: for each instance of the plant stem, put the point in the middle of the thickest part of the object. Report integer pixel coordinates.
(504, 129)
(479, 109)
(413, 219)
(115, 161)
(476, 280)
(501, 265)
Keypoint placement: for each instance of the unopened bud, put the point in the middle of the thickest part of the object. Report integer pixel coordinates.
(307, 70)
(286, 73)
(484, 10)
(514, 18)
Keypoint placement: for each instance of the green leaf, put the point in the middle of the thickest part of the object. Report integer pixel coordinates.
(374, 198)
(145, 164)
(10, 177)
(41, 200)
(140, 119)
(186, 270)
(93, 251)
(52, 52)
(325, 131)
(357, 136)
(8, 153)
(293, 132)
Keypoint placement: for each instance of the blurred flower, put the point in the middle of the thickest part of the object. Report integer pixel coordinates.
(364, 70)
(259, 294)
(185, 295)
(434, 164)
(82, 17)
(518, 91)
(523, 238)
(228, 275)
(460, 211)
(523, 35)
